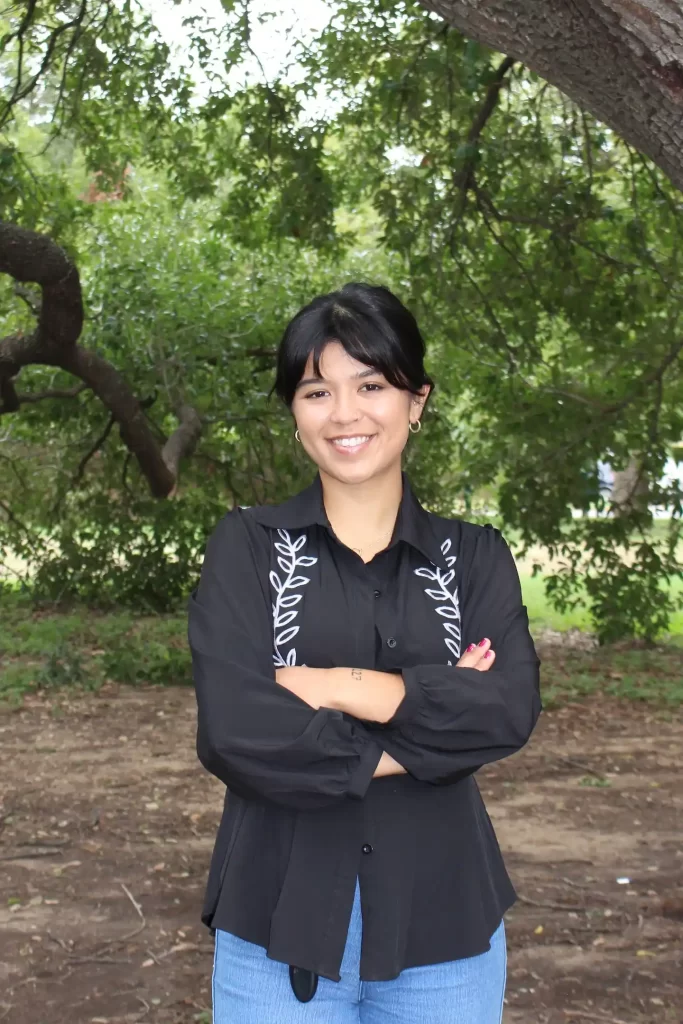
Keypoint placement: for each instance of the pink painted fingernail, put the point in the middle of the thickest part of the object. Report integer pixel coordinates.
(470, 648)
(489, 654)
(483, 642)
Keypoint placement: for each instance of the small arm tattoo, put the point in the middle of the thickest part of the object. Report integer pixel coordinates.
(357, 674)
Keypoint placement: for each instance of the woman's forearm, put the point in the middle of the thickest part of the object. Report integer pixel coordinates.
(387, 766)
(363, 693)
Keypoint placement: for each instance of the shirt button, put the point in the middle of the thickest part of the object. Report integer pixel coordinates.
(378, 593)
(391, 642)
(367, 848)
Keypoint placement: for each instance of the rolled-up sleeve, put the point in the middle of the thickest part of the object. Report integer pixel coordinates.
(257, 737)
(453, 720)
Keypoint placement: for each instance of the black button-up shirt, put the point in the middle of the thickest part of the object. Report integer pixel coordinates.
(303, 816)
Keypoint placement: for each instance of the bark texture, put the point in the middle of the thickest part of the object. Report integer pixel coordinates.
(30, 257)
(620, 59)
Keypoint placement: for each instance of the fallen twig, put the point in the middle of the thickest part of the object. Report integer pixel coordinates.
(132, 900)
(579, 764)
(551, 906)
(60, 942)
(31, 854)
(593, 1016)
(46, 844)
(75, 959)
(575, 885)
(128, 935)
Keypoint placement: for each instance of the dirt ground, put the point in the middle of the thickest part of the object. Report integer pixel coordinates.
(107, 823)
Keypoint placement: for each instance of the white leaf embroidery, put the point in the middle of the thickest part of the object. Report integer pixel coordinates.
(427, 573)
(288, 562)
(286, 617)
(453, 647)
(298, 581)
(288, 634)
(450, 610)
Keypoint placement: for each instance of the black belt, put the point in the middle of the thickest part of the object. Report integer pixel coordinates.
(304, 983)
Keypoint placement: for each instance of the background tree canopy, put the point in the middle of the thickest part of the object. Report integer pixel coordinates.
(539, 251)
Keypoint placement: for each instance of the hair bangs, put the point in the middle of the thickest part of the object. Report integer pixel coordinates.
(363, 340)
(371, 325)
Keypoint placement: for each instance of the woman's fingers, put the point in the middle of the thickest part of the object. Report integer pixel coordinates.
(479, 656)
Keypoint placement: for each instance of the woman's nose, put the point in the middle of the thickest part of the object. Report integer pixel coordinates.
(344, 409)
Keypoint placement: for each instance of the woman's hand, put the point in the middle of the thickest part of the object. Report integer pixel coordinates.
(479, 656)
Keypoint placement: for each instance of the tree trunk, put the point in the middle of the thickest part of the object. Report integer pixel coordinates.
(620, 59)
(630, 488)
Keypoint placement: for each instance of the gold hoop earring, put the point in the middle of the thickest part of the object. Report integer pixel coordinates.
(417, 426)
(296, 435)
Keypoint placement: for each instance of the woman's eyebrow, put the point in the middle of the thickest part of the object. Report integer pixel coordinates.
(370, 372)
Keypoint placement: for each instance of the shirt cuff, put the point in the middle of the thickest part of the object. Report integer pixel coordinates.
(407, 709)
(362, 776)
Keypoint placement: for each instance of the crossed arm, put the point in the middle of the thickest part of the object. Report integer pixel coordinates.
(365, 693)
(298, 737)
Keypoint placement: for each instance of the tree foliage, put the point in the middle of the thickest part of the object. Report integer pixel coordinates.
(539, 251)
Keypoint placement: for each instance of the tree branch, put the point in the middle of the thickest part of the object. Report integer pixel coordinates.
(28, 256)
(184, 438)
(621, 59)
(9, 400)
(654, 376)
(97, 444)
(464, 176)
(20, 92)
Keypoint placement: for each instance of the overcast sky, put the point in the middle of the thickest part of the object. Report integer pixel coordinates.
(270, 40)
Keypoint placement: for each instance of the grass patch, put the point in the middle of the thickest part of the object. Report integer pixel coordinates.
(80, 648)
(653, 676)
(543, 616)
(83, 649)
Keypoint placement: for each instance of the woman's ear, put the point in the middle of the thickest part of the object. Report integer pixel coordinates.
(421, 398)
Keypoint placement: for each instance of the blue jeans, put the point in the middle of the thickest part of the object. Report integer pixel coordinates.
(249, 988)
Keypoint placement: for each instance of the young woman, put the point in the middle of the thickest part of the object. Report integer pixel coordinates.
(356, 660)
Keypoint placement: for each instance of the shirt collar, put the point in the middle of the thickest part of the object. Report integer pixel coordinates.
(413, 523)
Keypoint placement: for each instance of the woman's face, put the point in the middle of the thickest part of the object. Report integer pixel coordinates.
(352, 423)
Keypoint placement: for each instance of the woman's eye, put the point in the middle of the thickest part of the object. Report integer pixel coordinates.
(314, 394)
(376, 387)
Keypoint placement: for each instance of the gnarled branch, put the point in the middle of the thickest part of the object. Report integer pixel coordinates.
(28, 256)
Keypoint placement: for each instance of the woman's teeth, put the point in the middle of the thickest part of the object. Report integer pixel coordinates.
(350, 442)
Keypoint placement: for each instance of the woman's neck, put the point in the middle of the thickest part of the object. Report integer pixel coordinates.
(363, 515)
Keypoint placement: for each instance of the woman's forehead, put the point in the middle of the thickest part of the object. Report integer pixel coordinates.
(335, 361)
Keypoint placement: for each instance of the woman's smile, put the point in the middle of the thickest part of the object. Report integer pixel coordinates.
(351, 445)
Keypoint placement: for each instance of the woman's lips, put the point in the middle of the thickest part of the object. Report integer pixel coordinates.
(351, 445)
